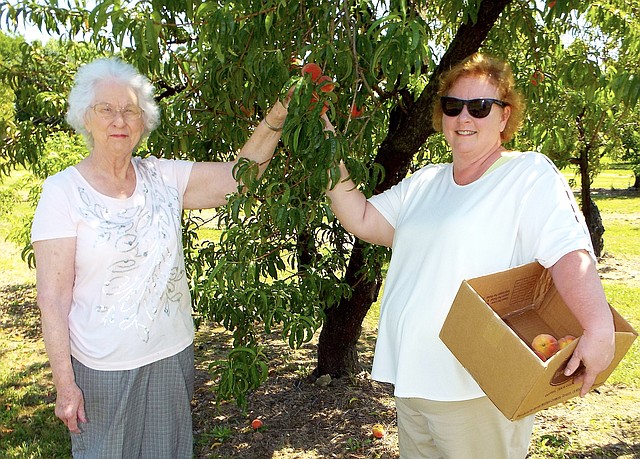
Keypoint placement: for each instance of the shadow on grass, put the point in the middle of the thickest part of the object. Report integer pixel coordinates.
(19, 312)
(29, 425)
(620, 449)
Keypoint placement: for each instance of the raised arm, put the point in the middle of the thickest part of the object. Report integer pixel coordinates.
(579, 285)
(357, 215)
(211, 182)
(55, 259)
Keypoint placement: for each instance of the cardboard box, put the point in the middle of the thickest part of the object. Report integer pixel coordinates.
(489, 326)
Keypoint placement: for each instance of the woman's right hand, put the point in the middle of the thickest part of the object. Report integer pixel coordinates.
(70, 407)
(327, 123)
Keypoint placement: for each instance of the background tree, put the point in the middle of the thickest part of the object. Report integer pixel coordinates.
(631, 148)
(282, 262)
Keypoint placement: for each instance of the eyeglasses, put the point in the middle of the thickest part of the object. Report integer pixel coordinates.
(108, 113)
(478, 108)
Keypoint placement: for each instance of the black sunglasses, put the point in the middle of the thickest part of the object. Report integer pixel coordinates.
(478, 108)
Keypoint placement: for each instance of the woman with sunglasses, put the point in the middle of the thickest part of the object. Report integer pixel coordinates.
(490, 209)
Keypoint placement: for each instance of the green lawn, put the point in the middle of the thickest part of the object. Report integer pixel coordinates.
(618, 178)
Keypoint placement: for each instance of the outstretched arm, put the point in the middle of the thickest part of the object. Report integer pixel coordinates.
(211, 182)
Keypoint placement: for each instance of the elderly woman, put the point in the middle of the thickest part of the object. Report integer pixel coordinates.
(489, 210)
(111, 282)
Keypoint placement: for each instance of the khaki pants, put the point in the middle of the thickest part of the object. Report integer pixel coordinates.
(469, 429)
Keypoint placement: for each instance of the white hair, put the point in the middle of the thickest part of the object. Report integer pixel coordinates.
(109, 69)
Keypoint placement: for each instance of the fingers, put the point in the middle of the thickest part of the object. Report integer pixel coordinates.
(582, 375)
(82, 416)
(70, 407)
(587, 382)
(72, 425)
(287, 98)
(572, 365)
(327, 123)
(70, 418)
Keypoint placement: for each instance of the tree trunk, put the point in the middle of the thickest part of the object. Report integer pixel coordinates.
(409, 127)
(337, 352)
(636, 184)
(589, 208)
(596, 228)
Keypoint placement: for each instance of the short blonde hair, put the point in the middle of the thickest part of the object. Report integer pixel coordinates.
(499, 73)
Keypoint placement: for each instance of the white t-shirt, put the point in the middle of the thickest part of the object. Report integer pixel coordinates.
(131, 304)
(444, 233)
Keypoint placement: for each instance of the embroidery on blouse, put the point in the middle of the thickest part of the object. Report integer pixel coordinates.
(143, 279)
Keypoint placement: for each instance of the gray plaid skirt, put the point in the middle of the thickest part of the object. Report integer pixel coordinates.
(139, 413)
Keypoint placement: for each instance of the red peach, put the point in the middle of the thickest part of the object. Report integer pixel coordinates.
(356, 112)
(312, 104)
(313, 69)
(326, 83)
(256, 424)
(565, 340)
(546, 344)
(377, 430)
(541, 355)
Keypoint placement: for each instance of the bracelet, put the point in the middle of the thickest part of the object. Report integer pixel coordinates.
(273, 128)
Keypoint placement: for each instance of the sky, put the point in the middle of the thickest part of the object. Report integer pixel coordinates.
(32, 33)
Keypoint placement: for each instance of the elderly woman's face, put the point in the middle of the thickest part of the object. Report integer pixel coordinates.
(474, 135)
(114, 119)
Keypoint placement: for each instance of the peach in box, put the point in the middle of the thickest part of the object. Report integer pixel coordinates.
(492, 321)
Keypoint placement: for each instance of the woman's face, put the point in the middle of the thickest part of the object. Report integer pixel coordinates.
(474, 136)
(115, 119)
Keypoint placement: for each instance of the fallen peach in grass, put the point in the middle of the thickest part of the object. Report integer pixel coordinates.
(256, 424)
(377, 430)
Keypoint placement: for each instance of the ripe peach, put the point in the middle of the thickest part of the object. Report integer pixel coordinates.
(356, 112)
(313, 69)
(377, 430)
(541, 355)
(565, 340)
(545, 344)
(537, 77)
(256, 424)
(312, 104)
(326, 83)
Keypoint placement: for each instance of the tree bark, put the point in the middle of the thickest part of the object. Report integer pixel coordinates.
(337, 352)
(409, 127)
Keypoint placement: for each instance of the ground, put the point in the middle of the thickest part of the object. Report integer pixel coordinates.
(305, 421)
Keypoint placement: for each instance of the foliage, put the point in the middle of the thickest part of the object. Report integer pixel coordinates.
(282, 260)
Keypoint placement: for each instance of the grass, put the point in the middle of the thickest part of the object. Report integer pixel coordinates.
(617, 177)
(29, 426)
(624, 298)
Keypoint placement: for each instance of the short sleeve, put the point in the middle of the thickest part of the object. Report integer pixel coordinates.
(175, 172)
(53, 218)
(389, 203)
(553, 224)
